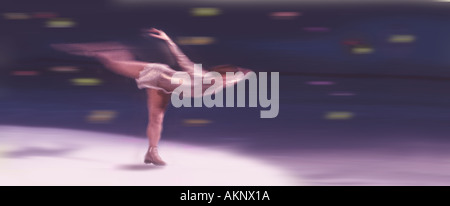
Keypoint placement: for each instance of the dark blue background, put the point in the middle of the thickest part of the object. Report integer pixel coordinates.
(402, 91)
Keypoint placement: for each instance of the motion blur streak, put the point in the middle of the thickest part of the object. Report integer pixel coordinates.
(339, 115)
(101, 116)
(205, 11)
(60, 23)
(196, 40)
(320, 83)
(196, 122)
(64, 69)
(342, 94)
(16, 16)
(86, 82)
(362, 50)
(402, 38)
(25, 73)
(285, 15)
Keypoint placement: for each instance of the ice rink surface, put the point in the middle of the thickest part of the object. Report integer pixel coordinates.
(43, 156)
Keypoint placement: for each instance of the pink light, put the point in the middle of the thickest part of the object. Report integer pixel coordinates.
(285, 14)
(25, 73)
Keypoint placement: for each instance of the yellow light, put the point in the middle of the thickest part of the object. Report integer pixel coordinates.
(86, 82)
(205, 11)
(339, 115)
(199, 40)
(362, 50)
(101, 116)
(402, 38)
(196, 122)
(60, 23)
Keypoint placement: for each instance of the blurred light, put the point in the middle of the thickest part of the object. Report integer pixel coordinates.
(316, 29)
(320, 83)
(101, 116)
(339, 115)
(16, 16)
(285, 15)
(66, 69)
(86, 82)
(205, 11)
(402, 38)
(195, 40)
(44, 15)
(60, 23)
(266, 3)
(362, 50)
(342, 94)
(24, 73)
(196, 122)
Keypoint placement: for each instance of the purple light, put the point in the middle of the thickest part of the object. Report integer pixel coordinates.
(342, 94)
(320, 83)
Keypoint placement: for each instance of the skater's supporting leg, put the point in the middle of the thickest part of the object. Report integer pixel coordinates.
(157, 105)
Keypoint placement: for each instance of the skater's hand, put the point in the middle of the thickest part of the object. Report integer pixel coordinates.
(158, 34)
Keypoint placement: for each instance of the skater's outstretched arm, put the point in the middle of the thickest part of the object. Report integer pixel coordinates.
(183, 61)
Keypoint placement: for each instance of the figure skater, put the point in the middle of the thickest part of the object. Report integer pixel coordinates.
(155, 78)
